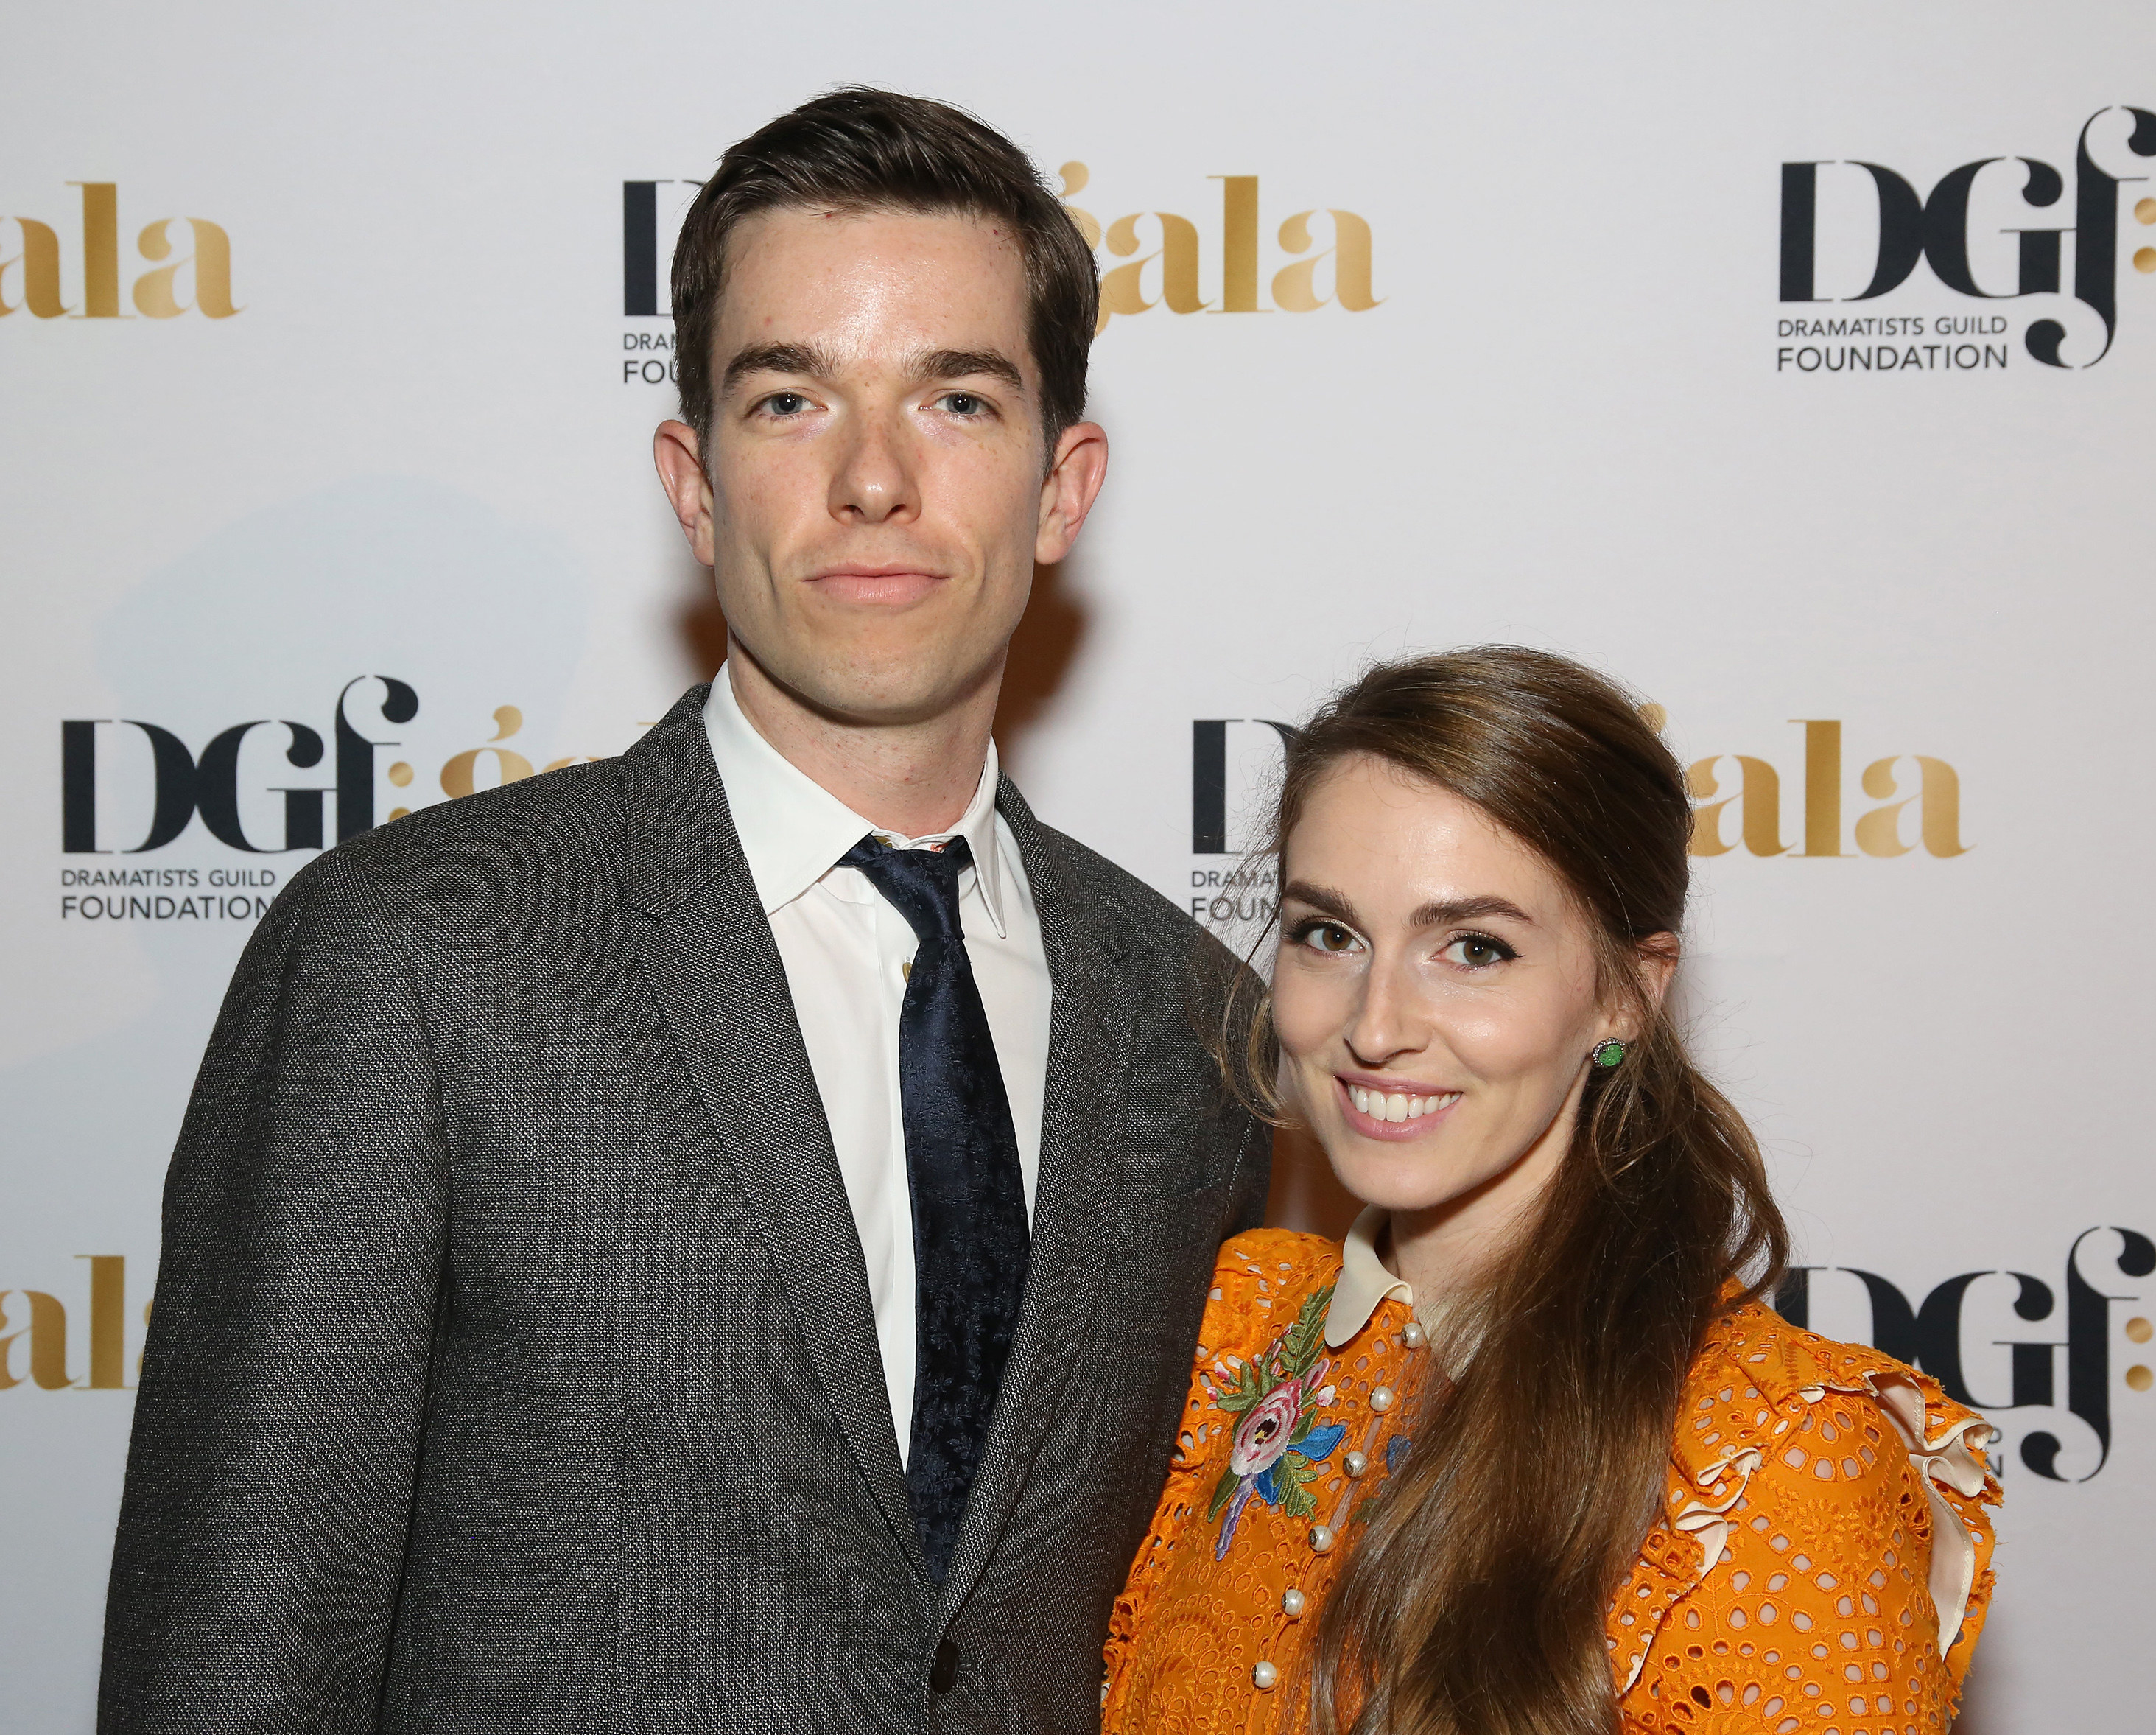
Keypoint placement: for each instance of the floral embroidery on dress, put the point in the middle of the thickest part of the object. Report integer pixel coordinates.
(1278, 1447)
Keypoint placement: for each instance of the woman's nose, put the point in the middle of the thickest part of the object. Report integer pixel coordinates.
(1387, 1021)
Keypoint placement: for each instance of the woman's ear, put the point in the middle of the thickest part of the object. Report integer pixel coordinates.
(1658, 955)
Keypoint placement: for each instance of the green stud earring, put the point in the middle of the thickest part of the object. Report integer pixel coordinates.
(1609, 1053)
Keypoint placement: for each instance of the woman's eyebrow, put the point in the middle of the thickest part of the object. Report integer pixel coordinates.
(1446, 910)
(1323, 899)
(1327, 901)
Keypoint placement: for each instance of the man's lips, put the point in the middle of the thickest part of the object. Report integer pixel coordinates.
(882, 586)
(1392, 1109)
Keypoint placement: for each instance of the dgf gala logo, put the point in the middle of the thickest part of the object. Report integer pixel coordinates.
(2063, 1424)
(183, 785)
(1998, 228)
(1318, 257)
(264, 787)
(79, 277)
(1738, 802)
(1310, 275)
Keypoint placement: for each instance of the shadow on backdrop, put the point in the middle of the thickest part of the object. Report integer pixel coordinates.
(1978, 1715)
(1041, 652)
(699, 619)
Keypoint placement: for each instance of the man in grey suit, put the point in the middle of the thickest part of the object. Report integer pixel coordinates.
(713, 1240)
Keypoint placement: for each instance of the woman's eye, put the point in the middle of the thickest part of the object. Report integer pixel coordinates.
(1327, 936)
(1478, 951)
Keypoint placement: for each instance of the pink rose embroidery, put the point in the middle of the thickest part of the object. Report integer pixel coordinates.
(1277, 1447)
(1262, 1437)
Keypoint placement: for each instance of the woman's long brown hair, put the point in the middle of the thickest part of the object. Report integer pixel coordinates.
(1474, 1601)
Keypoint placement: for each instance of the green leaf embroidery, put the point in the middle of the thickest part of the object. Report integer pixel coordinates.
(1223, 1491)
(1244, 1393)
(1294, 1473)
(1300, 1343)
(1289, 1356)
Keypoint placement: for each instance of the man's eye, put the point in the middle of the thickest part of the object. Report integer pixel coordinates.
(786, 403)
(1478, 951)
(963, 403)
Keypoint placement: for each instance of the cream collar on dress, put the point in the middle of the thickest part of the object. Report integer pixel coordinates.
(1363, 1280)
(1364, 1283)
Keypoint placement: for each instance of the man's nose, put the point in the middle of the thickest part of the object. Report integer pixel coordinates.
(875, 480)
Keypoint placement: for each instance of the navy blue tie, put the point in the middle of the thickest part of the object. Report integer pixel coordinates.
(970, 1240)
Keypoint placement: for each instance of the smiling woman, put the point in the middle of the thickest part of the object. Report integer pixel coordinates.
(1635, 1497)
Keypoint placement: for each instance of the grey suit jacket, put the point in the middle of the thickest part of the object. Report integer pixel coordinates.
(512, 1365)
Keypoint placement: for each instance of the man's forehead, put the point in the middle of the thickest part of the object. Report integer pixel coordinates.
(770, 249)
(890, 290)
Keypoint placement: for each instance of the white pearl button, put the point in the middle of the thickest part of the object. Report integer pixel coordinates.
(1355, 1463)
(1264, 1677)
(1381, 1399)
(1411, 1334)
(1291, 1602)
(1321, 1538)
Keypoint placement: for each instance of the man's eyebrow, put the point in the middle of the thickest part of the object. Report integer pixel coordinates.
(801, 358)
(959, 363)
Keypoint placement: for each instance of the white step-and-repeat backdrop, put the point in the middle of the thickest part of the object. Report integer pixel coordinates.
(1794, 362)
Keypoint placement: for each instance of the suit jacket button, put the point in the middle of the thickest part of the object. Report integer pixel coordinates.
(943, 1668)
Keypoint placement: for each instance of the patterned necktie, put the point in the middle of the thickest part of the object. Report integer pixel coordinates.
(970, 1240)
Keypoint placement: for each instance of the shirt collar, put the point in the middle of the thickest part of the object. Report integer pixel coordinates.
(793, 830)
(1363, 1281)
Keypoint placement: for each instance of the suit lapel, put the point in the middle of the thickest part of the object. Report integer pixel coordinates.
(1081, 1145)
(715, 972)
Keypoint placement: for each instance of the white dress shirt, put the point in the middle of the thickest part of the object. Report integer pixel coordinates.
(846, 953)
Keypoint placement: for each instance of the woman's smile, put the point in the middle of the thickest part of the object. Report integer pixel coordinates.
(1393, 1109)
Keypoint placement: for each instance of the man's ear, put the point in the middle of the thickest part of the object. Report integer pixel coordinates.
(1075, 470)
(681, 463)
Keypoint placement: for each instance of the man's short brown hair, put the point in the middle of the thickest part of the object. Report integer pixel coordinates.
(858, 149)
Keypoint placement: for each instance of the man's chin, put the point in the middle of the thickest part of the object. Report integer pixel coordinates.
(880, 696)
(872, 668)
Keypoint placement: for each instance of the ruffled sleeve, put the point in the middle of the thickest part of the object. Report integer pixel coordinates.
(1825, 1541)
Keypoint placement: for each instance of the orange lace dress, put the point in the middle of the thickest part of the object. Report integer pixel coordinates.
(1821, 1562)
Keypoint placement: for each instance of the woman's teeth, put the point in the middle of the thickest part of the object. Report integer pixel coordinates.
(1397, 1106)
